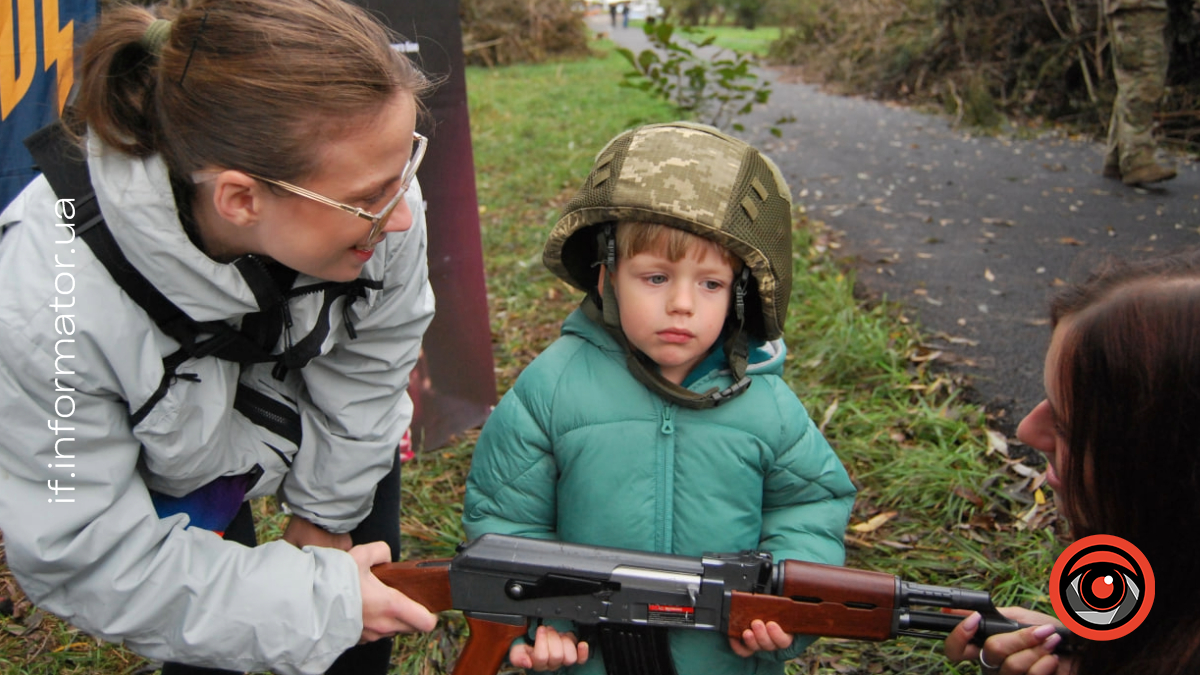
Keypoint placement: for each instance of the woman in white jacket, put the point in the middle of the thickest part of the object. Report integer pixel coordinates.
(253, 162)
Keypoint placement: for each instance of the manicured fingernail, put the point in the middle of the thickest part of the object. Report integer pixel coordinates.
(1043, 632)
(1052, 642)
(971, 622)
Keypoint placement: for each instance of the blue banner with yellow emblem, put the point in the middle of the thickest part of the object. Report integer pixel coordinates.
(37, 55)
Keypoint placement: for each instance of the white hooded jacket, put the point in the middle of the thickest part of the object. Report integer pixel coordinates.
(78, 355)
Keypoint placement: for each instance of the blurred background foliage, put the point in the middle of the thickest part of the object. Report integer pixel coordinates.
(985, 63)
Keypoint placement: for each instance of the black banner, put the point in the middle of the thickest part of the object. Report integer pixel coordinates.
(454, 384)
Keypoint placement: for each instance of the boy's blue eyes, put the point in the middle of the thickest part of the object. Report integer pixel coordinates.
(657, 279)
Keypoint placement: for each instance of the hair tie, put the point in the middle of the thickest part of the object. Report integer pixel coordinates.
(156, 36)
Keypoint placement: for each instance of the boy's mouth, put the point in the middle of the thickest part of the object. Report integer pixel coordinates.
(675, 335)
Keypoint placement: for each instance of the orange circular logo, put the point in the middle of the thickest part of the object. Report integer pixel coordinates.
(1102, 587)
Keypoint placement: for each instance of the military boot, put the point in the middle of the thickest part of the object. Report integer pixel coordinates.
(1147, 173)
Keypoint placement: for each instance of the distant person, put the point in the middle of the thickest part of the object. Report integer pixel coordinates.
(612, 11)
(1120, 428)
(1140, 57)
(625, 15)
(659, 421)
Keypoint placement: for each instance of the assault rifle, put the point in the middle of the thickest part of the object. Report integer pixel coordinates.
(501, 582)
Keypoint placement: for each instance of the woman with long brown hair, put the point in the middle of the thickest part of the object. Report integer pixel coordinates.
(1120, 427)
(217, 292)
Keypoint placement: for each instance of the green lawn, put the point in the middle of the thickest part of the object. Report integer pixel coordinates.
(756, 41)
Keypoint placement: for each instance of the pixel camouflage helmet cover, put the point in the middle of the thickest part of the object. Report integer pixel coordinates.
(695, 178)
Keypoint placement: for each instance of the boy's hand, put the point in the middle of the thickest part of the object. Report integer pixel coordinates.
(386, 611)
(551, 650)
(301, 533)
(760, 637)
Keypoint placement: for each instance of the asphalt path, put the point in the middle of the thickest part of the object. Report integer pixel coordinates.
(971, 233)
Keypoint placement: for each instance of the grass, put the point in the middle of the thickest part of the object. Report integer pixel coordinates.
(757, 41)
(938, 502)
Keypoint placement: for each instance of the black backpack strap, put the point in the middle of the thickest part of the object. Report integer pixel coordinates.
(65, 167)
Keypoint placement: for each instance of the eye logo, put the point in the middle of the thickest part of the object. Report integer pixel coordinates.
(1102, 587)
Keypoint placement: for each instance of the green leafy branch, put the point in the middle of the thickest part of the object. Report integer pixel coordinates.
(714, 86)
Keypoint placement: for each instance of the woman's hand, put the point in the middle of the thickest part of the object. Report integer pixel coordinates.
(386, 611)
(301, 533)
(1029, 651)
(760, 637)
(551, 650)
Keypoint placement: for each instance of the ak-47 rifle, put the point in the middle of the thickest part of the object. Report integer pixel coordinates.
(501, 582)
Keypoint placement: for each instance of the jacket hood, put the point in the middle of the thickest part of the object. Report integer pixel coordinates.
(765, 358)
(138, 205)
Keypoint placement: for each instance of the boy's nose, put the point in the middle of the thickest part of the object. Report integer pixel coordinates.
(681, 300)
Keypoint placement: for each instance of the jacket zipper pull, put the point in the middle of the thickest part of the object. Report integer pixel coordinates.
(668, 423)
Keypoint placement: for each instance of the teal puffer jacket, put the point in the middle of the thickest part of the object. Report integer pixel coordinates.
(580, 451)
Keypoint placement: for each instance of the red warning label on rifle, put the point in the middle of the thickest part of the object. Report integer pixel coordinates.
(660, 614)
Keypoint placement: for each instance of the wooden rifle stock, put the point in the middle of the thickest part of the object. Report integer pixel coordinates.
(822, 600)
(427, 582)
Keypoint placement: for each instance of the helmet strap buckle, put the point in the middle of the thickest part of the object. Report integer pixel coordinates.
(739, 295)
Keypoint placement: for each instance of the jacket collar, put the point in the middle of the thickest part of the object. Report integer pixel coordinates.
(764, 357)
(138, 205)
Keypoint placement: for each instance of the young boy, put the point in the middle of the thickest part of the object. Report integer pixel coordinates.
(659, 421)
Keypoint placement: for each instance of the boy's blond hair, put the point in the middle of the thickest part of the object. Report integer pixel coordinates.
(670, 242)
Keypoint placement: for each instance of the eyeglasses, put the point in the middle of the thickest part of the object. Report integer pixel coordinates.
(378, 220)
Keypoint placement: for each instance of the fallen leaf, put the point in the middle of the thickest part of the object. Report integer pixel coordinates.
(922, 354)
(874, 523)
(987, 274)
(856, 541)
(1023, 470)
(828, 415)
(1070, 241)
(997, 442)
(969, 496)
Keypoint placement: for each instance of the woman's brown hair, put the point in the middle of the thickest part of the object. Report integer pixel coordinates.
(243, 84)
(1128, 377)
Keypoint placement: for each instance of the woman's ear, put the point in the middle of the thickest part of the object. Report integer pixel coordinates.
(237, 197)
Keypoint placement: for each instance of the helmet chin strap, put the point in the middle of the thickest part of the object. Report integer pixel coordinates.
(601, 307)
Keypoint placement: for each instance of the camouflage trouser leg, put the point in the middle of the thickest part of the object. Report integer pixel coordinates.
(1140, 66)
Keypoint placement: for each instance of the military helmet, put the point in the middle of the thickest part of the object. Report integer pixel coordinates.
(697, 179)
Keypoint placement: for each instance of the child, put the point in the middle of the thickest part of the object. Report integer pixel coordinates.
(659, 420)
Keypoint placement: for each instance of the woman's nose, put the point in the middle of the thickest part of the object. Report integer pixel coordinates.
(400, 219)
(1037, 429)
